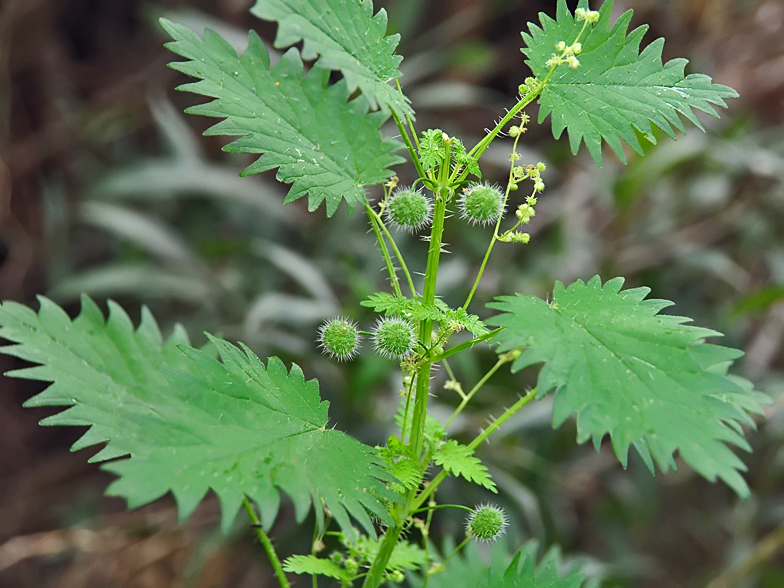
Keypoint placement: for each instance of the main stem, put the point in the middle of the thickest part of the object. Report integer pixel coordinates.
(428, 298)
(375, 575)
(266, 543)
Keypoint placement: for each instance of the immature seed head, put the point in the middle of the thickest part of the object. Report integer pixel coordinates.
(409, 209)
(339, 338)
(394, 337)
(487, 523)
(481, 204)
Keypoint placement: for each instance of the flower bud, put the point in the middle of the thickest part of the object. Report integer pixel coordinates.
(352, 565)
(339, 338)
(394, 337)
(396, 576)
(409, 209)
(487, 523)
(481, 204)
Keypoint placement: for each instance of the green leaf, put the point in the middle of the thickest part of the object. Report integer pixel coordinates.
(310, 564)
(188, 423)
(616, 89)
(401, 465)
(459, 460)
(323, 144)
(646, 379)
(463, 159)
(432, 152)
(470, 569)
(348, 38)
(415, 310)
(406, 556)
(470, 322)
(386, 303)
(431, 148)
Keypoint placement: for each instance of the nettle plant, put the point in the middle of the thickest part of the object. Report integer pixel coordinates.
(177, 419)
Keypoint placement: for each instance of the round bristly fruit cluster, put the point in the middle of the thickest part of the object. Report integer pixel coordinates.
(409, 209)
(487, 523)
(481, 204)
(394, 337)
(339, 338)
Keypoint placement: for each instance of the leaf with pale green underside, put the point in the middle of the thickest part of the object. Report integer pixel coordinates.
(188, 423)
(459, 460)
(322, 143)
(402, 466)
(472, 569)
(346, 36)
(646, 379)
(616, 89)
(413, 310)
(405, 556)
(319, 566)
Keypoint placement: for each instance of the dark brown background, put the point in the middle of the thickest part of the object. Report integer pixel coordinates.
(91, 199)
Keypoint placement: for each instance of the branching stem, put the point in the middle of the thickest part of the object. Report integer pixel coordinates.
(407, 140)
(266, 542)
(502, 359)
(428, 297)
(399, 255)
(495, 236)
(442, 475)
(466, 345)
(374, 222)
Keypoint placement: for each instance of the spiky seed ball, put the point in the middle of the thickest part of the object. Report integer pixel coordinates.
(394, 337)
(339, 338)
(481, 203)
(487, 523)
(409, 209)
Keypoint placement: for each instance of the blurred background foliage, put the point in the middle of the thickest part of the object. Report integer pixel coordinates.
(106, 188)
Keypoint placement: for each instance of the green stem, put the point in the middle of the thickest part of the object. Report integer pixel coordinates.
(426, 538)
(494, 238)
(265, 541)
(440, 506)
(375, 574)
(508, 413)
(405, 411)
(524, 101)
(442, 475)
(466, 345)
(399, 256)
(408, 118)
(456, 551)
(428, 298)
(502, 359)
(384, 251)
(407, 140)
